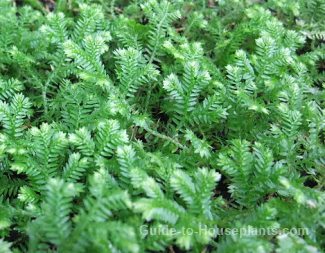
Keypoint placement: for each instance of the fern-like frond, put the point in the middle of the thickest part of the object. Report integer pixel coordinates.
(75, 167)
(13, 115)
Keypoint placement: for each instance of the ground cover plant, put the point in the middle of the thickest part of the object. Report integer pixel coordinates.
(152, 126)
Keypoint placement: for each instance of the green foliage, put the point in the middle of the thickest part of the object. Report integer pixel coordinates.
(153, 126)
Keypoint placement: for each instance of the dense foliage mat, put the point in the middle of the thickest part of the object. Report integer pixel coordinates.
(143, 126)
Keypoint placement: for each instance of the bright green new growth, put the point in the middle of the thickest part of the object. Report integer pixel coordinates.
(150, 126)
